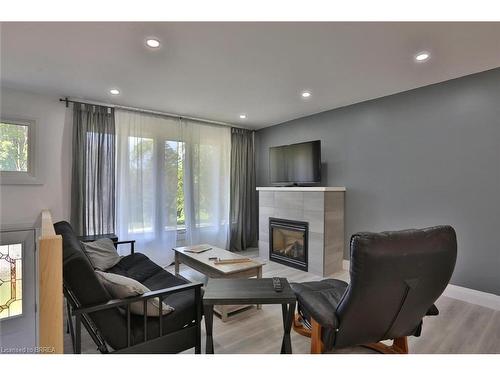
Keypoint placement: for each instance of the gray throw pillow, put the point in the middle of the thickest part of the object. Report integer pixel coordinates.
(122, 287)
(102, 253)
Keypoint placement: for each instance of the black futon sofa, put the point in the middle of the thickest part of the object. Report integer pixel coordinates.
(109, 322)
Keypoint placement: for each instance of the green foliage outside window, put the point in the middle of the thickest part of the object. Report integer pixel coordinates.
(142, 182)
(174, 175)
(143, 174)
(13, 147)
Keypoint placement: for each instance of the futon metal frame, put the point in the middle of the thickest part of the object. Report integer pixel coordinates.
(185, 338)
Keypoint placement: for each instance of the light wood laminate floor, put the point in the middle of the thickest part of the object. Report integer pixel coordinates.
(460, 327)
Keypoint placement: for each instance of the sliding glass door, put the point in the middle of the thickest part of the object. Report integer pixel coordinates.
(172, 183)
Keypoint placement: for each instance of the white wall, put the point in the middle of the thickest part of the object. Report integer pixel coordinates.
(21, 204)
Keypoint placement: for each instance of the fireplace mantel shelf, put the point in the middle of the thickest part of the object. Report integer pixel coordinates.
(301, 188)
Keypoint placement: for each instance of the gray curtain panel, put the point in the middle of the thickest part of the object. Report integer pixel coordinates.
(93, 172)
(243, 196)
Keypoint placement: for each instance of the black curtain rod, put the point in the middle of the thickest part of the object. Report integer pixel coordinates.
(66, 100)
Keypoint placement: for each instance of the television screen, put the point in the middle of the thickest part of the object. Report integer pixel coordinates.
(298, 163)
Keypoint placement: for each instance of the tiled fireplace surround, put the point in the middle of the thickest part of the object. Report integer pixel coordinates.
(321, 207)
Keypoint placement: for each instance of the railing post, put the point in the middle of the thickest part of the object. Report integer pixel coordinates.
(50, 285)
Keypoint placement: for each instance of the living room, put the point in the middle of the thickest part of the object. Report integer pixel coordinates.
(166, 185)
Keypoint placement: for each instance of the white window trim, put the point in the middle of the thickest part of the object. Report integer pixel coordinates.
(31, 177)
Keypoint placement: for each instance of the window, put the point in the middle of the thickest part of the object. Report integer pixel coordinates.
(205, 186)
(11, 302)
(13, 147)
(145, 166)
(174, 180)
(17, 152)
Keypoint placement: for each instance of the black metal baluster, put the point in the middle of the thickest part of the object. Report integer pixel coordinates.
(145, 310)
(128, 325)
(78, 330)
(197, 298)
(160, 314)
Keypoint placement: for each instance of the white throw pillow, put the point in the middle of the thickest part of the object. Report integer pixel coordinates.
(122, 287)
(102, 253)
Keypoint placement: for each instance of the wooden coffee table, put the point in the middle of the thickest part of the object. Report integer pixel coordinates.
(200, 263)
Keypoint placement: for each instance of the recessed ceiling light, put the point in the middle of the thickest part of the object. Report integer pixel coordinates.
(422, 56)
(114, 91)
(243, 116)
(306, 94)
(153, 43)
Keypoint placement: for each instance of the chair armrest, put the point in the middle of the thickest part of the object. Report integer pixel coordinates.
(90, 238)
(127, 301)
(131, 242)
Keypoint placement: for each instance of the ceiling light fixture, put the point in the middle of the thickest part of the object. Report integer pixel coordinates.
(306, 94)
(153, 43)
(422, 56)
(243, 116)
(114, 92)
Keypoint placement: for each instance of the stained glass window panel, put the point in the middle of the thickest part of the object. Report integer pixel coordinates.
(19, 269)
(11, 303)
(5, 267)
(15, 251)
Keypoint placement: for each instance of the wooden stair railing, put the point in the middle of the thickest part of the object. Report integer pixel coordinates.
(50, 283)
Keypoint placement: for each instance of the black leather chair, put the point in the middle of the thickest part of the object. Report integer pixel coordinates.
(395, 278)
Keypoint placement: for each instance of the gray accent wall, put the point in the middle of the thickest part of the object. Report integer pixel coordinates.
(420, 158)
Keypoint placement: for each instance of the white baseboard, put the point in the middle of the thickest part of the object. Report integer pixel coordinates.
(473, 296)
(476, 297)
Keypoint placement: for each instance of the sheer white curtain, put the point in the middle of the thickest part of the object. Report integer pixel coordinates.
(206, 182)
(172, 183)
(148, 149)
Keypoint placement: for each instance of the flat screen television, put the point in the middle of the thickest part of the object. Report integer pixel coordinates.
(296, 164)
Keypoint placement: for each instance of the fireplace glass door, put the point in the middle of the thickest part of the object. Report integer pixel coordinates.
(288, 242)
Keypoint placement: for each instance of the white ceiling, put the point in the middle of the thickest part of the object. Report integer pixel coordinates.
(219, 70)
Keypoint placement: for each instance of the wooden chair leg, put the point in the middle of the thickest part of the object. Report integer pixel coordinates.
(314, 333)
(399, 346)
(316, 342)
(299, 327)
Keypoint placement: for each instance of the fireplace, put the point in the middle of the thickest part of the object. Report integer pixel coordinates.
(288, 242)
